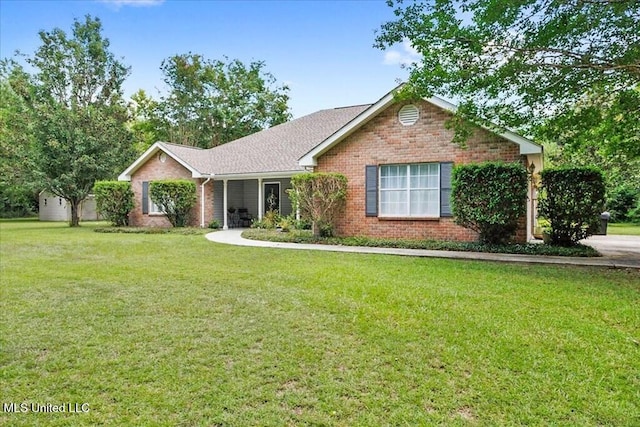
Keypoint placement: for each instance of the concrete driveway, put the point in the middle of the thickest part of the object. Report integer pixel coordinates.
(621, 248)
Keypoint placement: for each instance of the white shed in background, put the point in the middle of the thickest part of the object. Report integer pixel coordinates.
(54, 208)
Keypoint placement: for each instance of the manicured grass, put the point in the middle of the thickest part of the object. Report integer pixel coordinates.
(171, 329)
(628, 229)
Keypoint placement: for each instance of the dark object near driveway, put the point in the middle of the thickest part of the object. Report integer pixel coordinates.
(604, 221)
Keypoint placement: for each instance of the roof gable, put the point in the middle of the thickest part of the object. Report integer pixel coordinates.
(184, 155)
(289, 147)
(310, 158)
(278, 149)
(275, 150)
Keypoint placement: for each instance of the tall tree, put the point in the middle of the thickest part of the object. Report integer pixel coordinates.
(212, 102)
(521, 63)
(600, 130)
(145, 121)
(76, 108)
(18, 186)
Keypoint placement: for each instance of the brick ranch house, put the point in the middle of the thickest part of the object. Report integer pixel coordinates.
(397, 157)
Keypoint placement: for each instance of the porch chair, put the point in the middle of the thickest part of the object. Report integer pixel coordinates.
(244, 217)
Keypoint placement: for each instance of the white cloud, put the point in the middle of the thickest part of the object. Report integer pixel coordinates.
(405, 55)
(117, 4)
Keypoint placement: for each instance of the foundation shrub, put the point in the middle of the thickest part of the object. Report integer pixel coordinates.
(489, 198)
(176, 198)
(114, 201)
(572, 199)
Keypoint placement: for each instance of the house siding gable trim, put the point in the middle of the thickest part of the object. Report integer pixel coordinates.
(310, 159)
(151, 151)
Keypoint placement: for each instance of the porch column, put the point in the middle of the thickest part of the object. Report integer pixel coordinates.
(260, 204)
(225, 225)
(534, 167)
(530, 211)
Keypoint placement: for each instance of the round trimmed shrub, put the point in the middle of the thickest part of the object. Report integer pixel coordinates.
(114, 201)
(176, 198)
(489, 198)
(572, 200)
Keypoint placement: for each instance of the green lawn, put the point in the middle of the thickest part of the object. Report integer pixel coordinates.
(624, 228)
(171, 329)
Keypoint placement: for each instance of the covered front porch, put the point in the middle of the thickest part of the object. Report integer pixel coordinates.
(238, 200)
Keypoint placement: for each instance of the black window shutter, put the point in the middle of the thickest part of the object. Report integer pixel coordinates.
(371, 190)
(145, 197)
(445, 189)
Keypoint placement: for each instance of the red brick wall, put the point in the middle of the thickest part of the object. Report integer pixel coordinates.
(383, 140)
(154, 169)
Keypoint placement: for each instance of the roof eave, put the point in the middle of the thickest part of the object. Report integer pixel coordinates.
(257, 175)
(151, 151)
(126, 175)
(527, 146)
(310, 159)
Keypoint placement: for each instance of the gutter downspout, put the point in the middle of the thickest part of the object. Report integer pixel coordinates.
(209, 177)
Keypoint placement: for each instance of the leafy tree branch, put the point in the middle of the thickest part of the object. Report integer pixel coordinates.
(516, 63)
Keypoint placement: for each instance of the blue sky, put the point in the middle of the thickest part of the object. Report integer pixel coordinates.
(322, 49)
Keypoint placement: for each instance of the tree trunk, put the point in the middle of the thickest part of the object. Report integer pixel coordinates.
(75, 218)
(315, 229)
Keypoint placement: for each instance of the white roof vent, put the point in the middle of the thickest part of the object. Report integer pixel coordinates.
(408, 115)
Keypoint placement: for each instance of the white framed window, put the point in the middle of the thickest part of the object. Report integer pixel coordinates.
(411, 190)
(153, 208)
(148, 207)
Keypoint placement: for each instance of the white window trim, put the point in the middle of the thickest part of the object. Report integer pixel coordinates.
(153, 208)
(408, 190)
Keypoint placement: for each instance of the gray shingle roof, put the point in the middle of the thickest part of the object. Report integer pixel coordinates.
(276, 149)
(195, 157)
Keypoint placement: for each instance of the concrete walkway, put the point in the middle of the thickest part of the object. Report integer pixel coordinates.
(617, 253)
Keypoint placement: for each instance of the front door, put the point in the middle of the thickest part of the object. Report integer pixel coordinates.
(271, 196)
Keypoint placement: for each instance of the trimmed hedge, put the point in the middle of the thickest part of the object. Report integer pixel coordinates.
(183, 231)
(305, 236)
(176, 198)
(489, 198)
(114, 201)
(572, 200)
